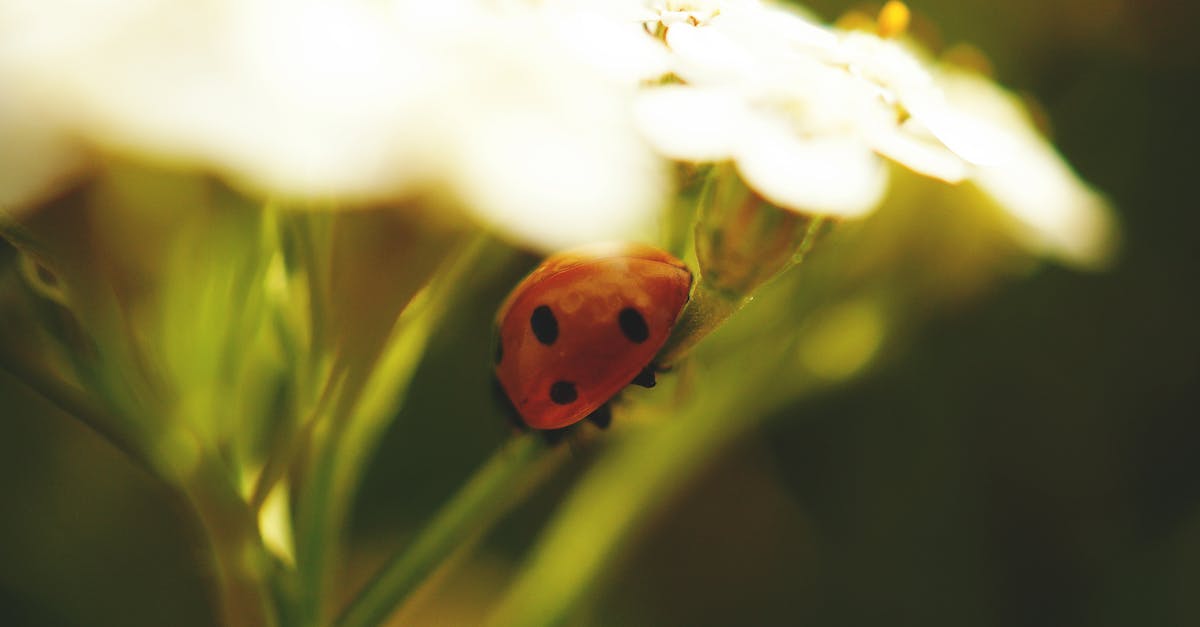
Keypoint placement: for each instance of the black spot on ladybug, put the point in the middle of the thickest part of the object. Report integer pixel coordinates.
(544, 325)
(499, 350)
(633, 325)
(563, 392)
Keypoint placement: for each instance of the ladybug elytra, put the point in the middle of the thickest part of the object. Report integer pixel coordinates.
(582, 326)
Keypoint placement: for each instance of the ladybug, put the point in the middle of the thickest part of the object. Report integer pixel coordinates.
(582, 326)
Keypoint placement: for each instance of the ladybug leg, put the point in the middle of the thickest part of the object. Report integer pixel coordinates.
(553, 436)
(645, 378)
(506, 406)
(602, 417)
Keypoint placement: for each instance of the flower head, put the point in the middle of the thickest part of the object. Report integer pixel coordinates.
(811, 115)
(536, 119)
(358, 101)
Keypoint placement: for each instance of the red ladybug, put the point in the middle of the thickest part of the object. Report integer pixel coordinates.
(582, 326)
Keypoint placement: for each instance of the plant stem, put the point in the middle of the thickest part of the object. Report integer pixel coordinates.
(510, 473)
(625, 486)
(239, 559)
(707, 310)
(362, 405)
(75, 403)
(711, 306)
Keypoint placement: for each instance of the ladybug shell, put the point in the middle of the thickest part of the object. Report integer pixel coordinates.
(583, 325)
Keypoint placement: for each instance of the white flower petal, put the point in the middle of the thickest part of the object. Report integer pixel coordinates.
(835, 175)
(970, 136)
(543, 149)
(542, 187)
(778, 32)
(885, 63)
(707, 56)
(622, 51)
(1060, 213)
(690, 124)
(924, 156)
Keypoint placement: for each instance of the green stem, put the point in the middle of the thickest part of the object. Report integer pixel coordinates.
(631, 481)
(811, 235)
(240, 562)
(75, 403)
(510, 474)
(278, 463)
(711, 306)
(359, 411)
(612, 499)
(705, 312)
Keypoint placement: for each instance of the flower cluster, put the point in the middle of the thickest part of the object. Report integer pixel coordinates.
(551, 122)
(363, 102)
(809, 114)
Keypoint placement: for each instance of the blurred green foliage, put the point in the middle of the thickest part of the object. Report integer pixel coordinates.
(1029, 456)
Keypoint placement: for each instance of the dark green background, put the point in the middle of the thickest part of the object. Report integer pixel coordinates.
(1031, 458)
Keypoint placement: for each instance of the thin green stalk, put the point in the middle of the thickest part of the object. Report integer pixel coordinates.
(278, 463)
(550, 585)
(811, 235)
(626, 486)
(510, 474)
(705, 312)
(75, 403)
(357, 417)
(240, 562)
(229, 527)
(711, 306)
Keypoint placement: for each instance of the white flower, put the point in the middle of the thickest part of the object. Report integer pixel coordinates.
(809, 114)
(522, 111)
(304, 99)
(357, 101)
(804, 112)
